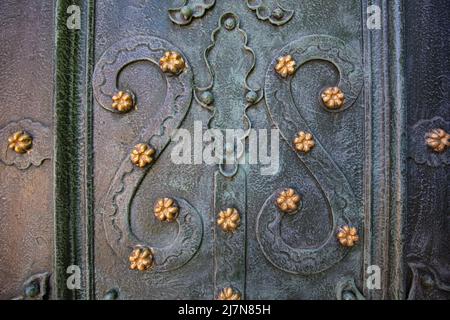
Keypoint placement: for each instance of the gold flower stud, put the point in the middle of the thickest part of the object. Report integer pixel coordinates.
(304, 142)
(166, 209)
(348, 236)
(229, 220)
(122, 101)
(229, 294)
(288, 201)
(333, 98)
(20, 142)
(285, 66)
(438, 140)
(141, 259)
(172, 62)
(141, 155)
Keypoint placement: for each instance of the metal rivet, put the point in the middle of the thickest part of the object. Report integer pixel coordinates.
(20, 142)
(304, 142)
(285, 66)
(142, 154)
(333, 98)
(166, 209)
(348, 236)
(229, 220)
(288, 201)
(32, 290)
(230, 23)
(186, 12)
(438, 140)
(277, 13)
(141, 258)
(123, 101)
(172, 62)
(229, 294)
(251, 97)
(207, 98)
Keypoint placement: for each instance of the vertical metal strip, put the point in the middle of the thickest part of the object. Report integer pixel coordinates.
(230, 247)
(72, 150)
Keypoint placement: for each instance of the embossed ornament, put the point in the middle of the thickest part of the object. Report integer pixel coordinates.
(285, 66)
(141, 259)
(141, 155)
(229, 294)
(20, 142)
(229, 220)
(122, 101)
(166, 209)
(304, 142)
(438, 140)
(172, 62)
(288, 201)
(348, 236)
(333, 98)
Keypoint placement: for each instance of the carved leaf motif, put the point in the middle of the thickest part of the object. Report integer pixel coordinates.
(287, 116)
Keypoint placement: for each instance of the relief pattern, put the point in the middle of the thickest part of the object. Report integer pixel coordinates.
(167, 117)
(36, 154)
(336, 190)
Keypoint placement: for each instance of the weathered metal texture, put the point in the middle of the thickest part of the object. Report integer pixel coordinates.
(26, 227)
(428, 93)
(104, 204)
(271, 254)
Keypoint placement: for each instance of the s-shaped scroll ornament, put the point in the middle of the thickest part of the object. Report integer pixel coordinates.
(167, 117)
(335, 187)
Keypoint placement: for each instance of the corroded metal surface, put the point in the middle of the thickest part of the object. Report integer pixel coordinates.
(141, 226)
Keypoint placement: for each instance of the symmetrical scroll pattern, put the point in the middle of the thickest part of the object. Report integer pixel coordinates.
(270, 10)
(167, 117)
(328, 176)
(190, 9)
(41, 149)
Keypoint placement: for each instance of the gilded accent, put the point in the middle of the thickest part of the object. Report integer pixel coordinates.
(20, 142)
(348, 236)
(333, 98)
(141, 259)
(166, 210)
(285, 66)
(141, 155)
(229, 294)
(438, 140)
(304, 142)
(172, 62)
(229, 220)
(122, 101)
(288, 201)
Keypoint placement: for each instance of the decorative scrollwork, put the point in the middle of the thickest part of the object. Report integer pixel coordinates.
(273, 12)
(336, 189)
(167, 117)
(189, 10)
(231, 110)
(34, 151)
